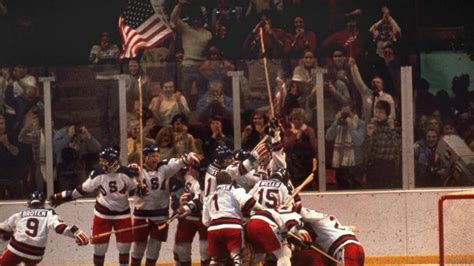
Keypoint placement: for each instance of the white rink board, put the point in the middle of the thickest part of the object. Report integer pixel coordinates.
(393, 223)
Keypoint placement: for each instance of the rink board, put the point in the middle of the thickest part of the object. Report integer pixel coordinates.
(396, 226)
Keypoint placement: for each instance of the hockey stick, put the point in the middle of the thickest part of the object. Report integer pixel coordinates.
(315, 248)
(140, 117)
(121, 230)
(267, 77)
(300, 187)
(168, 221)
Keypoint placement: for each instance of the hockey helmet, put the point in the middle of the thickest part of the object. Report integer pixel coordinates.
(281, 174)
(36, 199)
(241, 155)
(110, 155)
(221, 153)
(149, 149)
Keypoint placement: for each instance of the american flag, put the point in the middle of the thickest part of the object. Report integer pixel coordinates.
(141, 27)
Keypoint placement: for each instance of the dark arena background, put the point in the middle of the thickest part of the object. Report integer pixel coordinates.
(131, 116)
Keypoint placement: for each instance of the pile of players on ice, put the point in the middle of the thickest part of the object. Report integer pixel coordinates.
(245, 211)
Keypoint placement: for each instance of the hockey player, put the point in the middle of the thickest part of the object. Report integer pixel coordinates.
(29, 230)
(222, 214)
(273, 192)
(248, 180)
(335, 239)
(223, 158)
(266, 231)
(154, 205)
(236, 169)
(276, 159)
(114, 183)
(190, 221)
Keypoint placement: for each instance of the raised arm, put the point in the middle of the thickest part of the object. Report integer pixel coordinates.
(358, 81)
(180, 25)
(171, 167)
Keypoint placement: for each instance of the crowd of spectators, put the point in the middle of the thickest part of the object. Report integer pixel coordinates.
(188, 107)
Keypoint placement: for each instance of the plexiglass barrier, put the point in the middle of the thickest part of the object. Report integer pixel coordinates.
(365, 131)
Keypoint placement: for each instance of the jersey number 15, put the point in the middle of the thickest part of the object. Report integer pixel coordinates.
(268, 197)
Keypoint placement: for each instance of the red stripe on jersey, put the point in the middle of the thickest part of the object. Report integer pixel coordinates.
(265, 214)
(341, 240)
(60, 228)
(151, 213)
(290, 224)
(105, 211)
(225, 220)
(277, 146)
(249, 205)
(27, 249)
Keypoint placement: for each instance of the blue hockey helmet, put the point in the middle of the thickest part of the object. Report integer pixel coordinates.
(36, 199)
(149, 149)
(110, 155)
(222, 152)
(241, 155)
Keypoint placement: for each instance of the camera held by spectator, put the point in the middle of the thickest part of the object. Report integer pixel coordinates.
(343, 119)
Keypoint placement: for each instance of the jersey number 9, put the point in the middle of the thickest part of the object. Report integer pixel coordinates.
(32, 225)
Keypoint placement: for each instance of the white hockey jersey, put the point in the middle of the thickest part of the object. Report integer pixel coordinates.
(281, 221)
(245, 173)
(277, 161)
(270, 193)
(30, 231)
(155, 204)
(210, 178)
(223, 208)
(236, 170)
(331, 235)
(248, 180)
(114, 189)
(192, 187)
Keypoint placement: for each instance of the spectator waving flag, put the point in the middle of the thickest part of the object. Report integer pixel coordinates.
(141, 27)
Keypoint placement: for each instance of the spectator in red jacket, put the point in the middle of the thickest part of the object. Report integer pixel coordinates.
(300, 40)
(350, 38)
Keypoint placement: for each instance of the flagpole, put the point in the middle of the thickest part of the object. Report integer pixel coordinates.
(140, 117)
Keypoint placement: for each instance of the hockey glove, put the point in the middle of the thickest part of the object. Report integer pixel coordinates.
(185, 198)
(260, 151)
(81, 238)
(192, 159)
(142, 190)
(133, 170)
(305, 236)
(59, 198)
(184, 211)
(5, 235)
